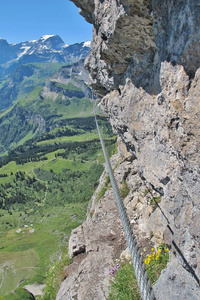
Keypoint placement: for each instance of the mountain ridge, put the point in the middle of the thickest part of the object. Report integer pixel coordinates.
(20, 62)
(47, 48)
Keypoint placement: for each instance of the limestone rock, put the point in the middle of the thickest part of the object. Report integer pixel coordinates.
(145, 62)
(76, 242)
(178, 287)
(103, 241)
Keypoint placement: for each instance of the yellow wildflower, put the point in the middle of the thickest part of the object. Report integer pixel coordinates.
(152, 249)
(147, 261)
(159, 250)
(166, 250)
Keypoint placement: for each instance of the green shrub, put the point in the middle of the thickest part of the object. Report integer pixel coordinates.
(107, 180)
(124, 189)
(146, 192)
(102, 193)
(104, 188)
(155, 200)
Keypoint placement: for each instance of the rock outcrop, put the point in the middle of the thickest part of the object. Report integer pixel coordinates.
(95, 244)
(145, 64)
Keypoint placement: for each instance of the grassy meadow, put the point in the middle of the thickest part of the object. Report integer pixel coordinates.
(50, 195)
(50, 165)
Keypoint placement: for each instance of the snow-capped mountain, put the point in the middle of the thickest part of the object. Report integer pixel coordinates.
(47, 48)
(35, 58)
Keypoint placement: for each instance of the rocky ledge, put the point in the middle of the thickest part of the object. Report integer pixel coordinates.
(94, 246)
(144, 63)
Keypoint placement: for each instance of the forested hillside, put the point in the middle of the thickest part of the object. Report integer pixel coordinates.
(42, 103)
(50, 165)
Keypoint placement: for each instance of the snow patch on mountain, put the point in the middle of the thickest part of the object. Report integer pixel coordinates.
(26, 48)
(47, 48)
(46, 37)
(43, 47)
(87, 44)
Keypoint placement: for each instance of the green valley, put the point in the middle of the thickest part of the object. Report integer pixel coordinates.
(42, 103)
(50, 165)
(46, 186)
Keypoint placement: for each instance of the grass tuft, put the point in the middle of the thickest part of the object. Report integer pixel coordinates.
(124, 284)
(104, 188)
(55, 277)
(124, 189)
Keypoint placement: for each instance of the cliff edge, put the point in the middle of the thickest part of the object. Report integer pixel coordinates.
(145, 65)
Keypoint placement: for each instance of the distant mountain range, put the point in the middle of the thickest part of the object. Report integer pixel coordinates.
(19, 61)
(49, 48)
(41, 83)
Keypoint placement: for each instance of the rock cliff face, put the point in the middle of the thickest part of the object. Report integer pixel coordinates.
(145, 64)
(74, 74)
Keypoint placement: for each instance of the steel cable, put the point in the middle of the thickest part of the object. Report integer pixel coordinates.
(144, 283)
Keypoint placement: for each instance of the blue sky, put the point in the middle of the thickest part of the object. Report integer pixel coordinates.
(24, 20)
